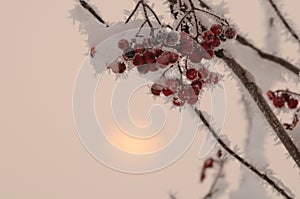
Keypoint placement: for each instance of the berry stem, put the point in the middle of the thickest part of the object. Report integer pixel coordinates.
(287, 91)
(239, 158)
(283, 20)
(85, 5)
(195, 18)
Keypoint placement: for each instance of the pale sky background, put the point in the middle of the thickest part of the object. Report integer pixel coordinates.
(41, 154)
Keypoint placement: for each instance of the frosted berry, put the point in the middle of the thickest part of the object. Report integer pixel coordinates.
(293, 103)
(191, 74)
(167, 92)
(173, 57)
(143, 69)
(158, 52)
(192, 101)
(123, 44)
(278, 102)
(128, 53)
(230, 33)
(139, 48)
(195, 56)
(172, 84)
(208, 36)
(177, 102)
(216, 29)
(138, 60)
(118, 68)
(149, 57)
(216, 42)
(163, 59)
(197, 86)
(271, 95)
(153, 67)
(156, 89)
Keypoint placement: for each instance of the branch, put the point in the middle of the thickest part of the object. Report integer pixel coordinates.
(285, 23)
(240, 159)
(92, 11)
(154, 14)
(285, 64)
(256, 94)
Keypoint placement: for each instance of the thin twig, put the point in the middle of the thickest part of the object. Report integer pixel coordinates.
(285, 23)
(214, 15)
(240, 159)
(134, 10)
(182, 19)
(255, 92)
(144, 5)
(154, 14)
(195, 18)
(92, 11)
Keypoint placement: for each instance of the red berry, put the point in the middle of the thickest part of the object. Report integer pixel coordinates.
(206, 46)
(172, 84)
(216, 29)
(138, 60)
(230, 33)
(208, 36)
(271, 95)
(177, 102)
(209, 163)
(139, 48)
(195, 56)
(216, 42)
(173, 57)
(191, 74)
(293, 103)
(156, 89)
(123, 44)
(149, 57)
(278, 102)
(163, 59)
(167, 92)
(197, 86)
(208, 54)
(119, 68)
(158, 52)
(192, 101)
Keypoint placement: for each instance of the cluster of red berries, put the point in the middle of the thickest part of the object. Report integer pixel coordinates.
(212, 38)
(185, 93)
(280, 98)
(209, 163)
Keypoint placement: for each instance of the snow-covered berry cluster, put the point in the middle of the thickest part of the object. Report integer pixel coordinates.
(166, 49)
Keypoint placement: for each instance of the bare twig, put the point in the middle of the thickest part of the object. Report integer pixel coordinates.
(85, 5)
(257, 96)
(134, 10)
(240, 159)
(283, 20)
(287, 91)
(195, 18)
(153, 13)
